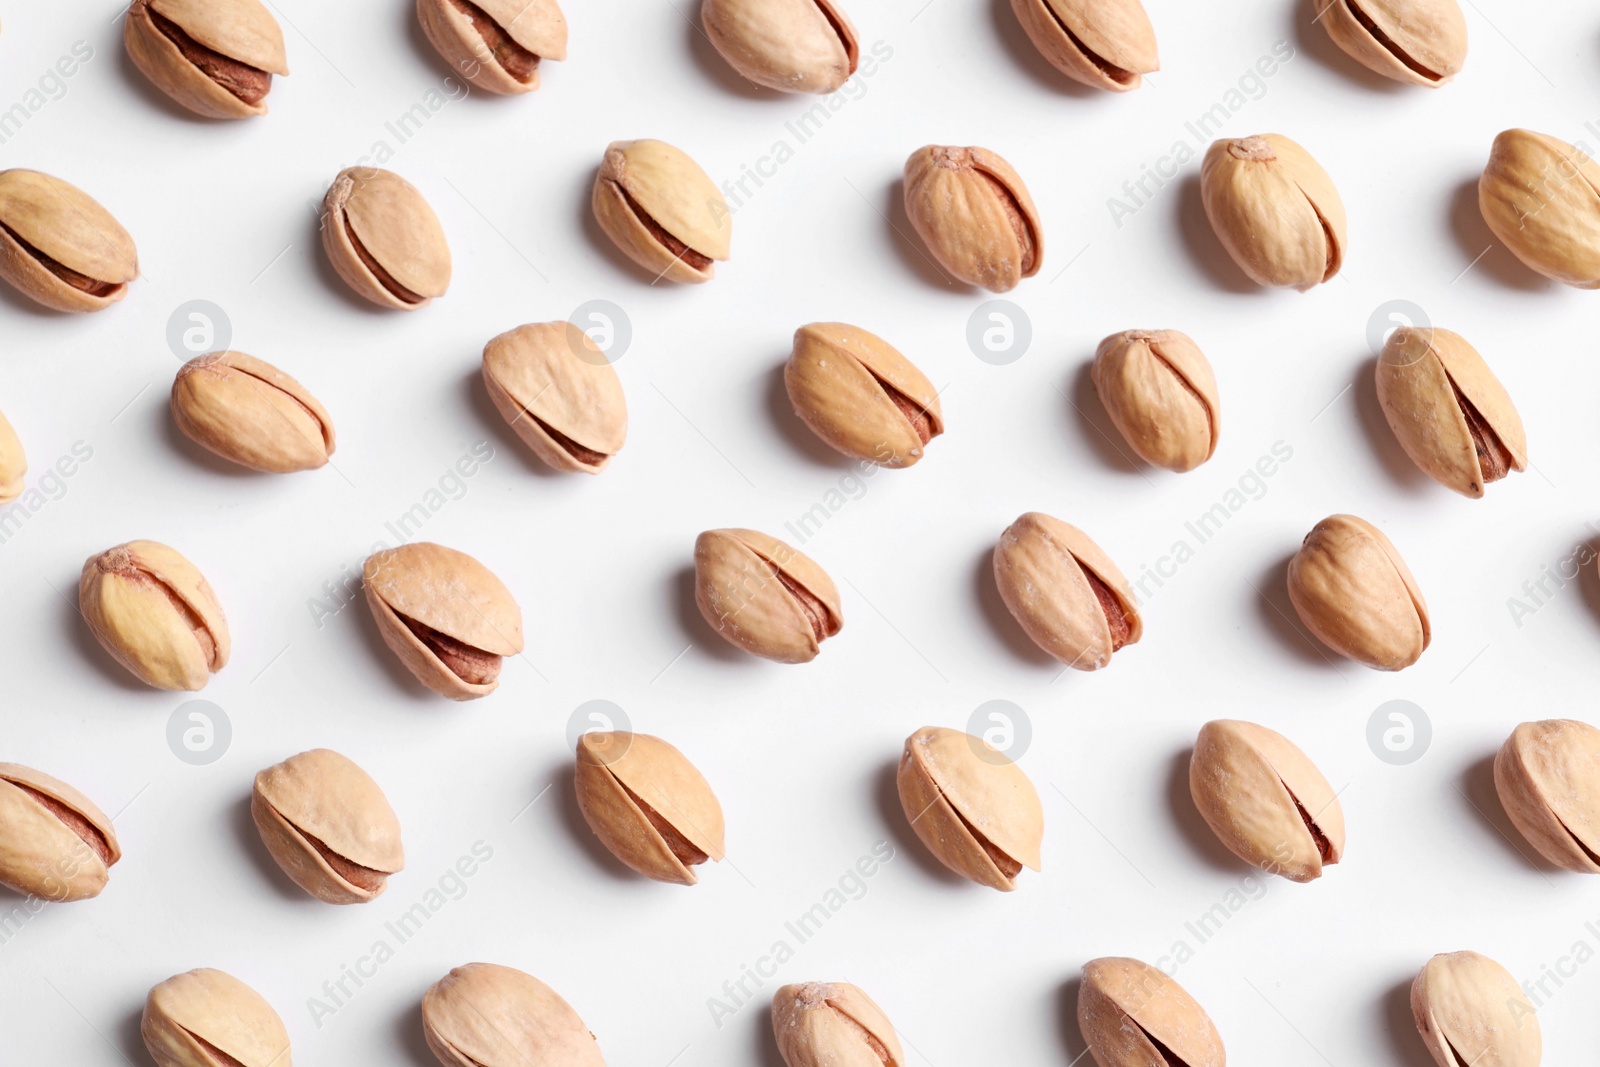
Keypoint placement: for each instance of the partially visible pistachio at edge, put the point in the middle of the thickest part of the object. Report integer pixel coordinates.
(1134, 1015)
(216, 58)
(59, 247)
(497, 45)
(792, 46)
(1547, 775)
(55, 843)
(209, 1018)
(13, 462)
(1419, 42)
(832, 1024)
(1105, 45)
(1541, 197)
(1470, 1010)
(488, 1015)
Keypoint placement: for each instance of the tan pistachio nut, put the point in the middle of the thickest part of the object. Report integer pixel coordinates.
(13, 462)
(1265, 800)
(55, 845)
(328, 825)
(973, 808)
(1420, 42)
(486, 1015)
(1350, 587)
(1133, 1015)
(763, 596)
(1159, 390)
(860, 395)
(445, 615)
(1548, 777)
(793, 46)
(1448, 410)
(1274, 209)
(1105, 44)
(662, 210)
(250, 412)
(1065, 592)
(215, 57)
(832, 1024)
(1541, 197)
(384, 240)
(648, 804)
(1469, 1010)
(156, 614)
(975, 215)
(496, 45)
(208, 1018)
(59, 247)
(556, 389)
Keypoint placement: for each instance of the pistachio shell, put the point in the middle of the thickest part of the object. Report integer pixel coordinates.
(497, 45)
(1133, 1015)
(55, 844)
(384, 240)
(975, 215)
(1541, 197)
(1548, 777)
(250, 412)
(215, 57)
(832, 1024)
(1421, 42)
(13, 463)
(1065, 592)
(1274, 209)
(1105, 44)
(1351, 588)
(662, 210)
(558, 392)
(648, 805)
(485, 1015)
(860, 395)
(764, 596)
(793, 46)
(206, 1018)
(155, 613)
(1159, 390)
(59, 247)
(1469, 1010)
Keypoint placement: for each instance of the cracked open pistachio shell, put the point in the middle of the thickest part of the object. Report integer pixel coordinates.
(250, 412)
(328, 825)
(1158, 388)
(1065, 592)
(1541, 197)
(1470, 1011)
(59, 247)
(1133, 1015)
(1548, 777)
(1265, 800)
(486, 1015)
(1448, 410)
(447, 617)
(975, 215)
(662, 210)
(384, 240)
(973, 808)
(215, 57)
(1421, 42)
(764, 596)
(208, 1018)
(496, 45)
(155, 613)
(648, 804)
(793, 46)
(55, 845)
(1274, 209)
(13, 463)
(1350, 587)
(860, 395)
(556, 389)
(832, 1024)
(1105, 44)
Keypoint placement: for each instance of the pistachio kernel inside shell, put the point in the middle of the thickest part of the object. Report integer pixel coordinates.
(878, 1048)
(921, 422)
(81, 282)
(1116, 614)
(366, 878)
(582, 453)
(681, 847)
(1016, 218)
(1103, 65)
(514, 59)
(221, 1058)
(472, 665)
(74, 821)
(841, 31)
(368, 260)
(1320, 839)
(1387, 43)
(679, 250)
(249, 84)
(1008, 866)
(119, 561)
(1494, 459)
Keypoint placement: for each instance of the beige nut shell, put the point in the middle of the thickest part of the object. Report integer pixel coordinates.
(1351, 588)
(206, 1007)
(13, 462)
(742, 587)
(675, 196)
(1104, 44)
(648, 805)
(842, 382)
(832, 1024)
(155, 613)
(1469, 1009)
(251, 413)
(793, 46)
(41, 215)
(1419, 42)
(1548, 777)
(242, 30)
(1541, 197)
(486, 1015)
(59, 848)
(1274, 209)
(972, 210)
(556, 389)
(538, 26)
(396, 227)
(1161, 394)
(1126, 1007)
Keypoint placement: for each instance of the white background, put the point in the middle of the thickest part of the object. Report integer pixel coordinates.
(801, 757)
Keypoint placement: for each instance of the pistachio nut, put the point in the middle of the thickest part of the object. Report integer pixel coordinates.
(1265, 800)
(13, 463)
(1541, 197)
(215, 57)
(764, 596)
(555, 388)
(975, 809)
(1469, 1010)
(1105, 44)
(155, 613)
(1448, 410)
(1158, 388)
(648, 805)
(208, 1018)
(59, 247)
(973, 212)
(250, 412)
(1065, 592)
(328, 825)
(496, 44)
(1548, 777)
(1421, 42)
(485, 1015)
(1133, 1015)
(1350, 587)
(832, 1024)
(860, 395)
(447, 617)
(384, 240)
(662, 210)
(54, 843)
(793, 46)
(1274, 209)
